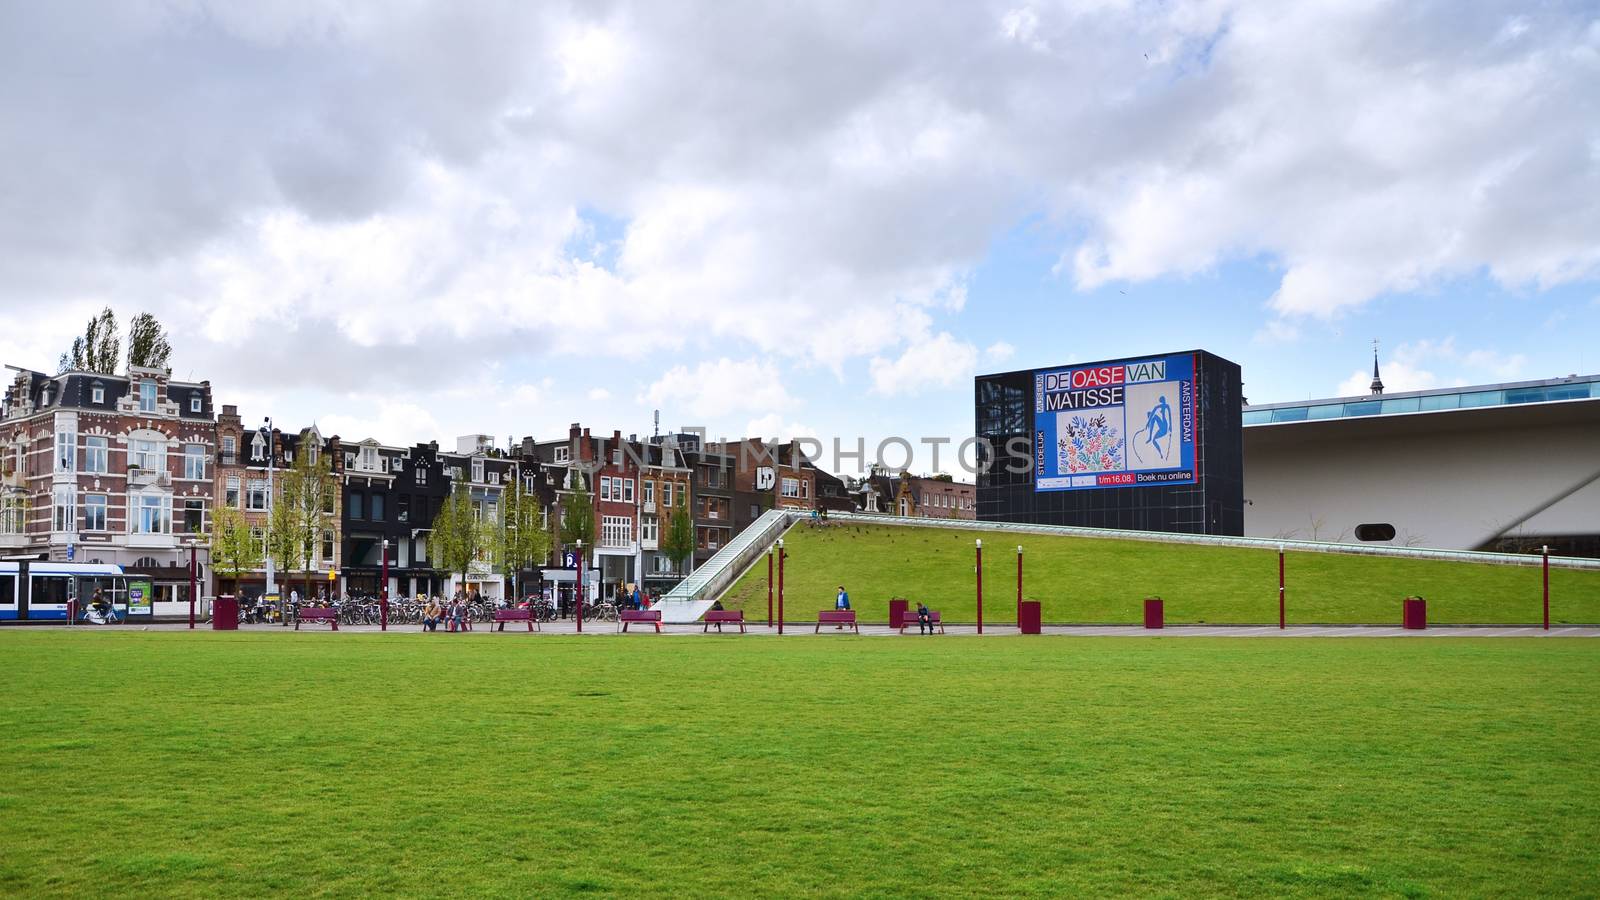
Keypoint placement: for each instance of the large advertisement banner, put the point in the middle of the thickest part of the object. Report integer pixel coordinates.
(1115, 425)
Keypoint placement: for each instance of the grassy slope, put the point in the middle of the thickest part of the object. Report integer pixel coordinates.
(238, 765)
(1081, 580)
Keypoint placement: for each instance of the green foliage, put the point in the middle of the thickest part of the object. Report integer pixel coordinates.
(308, 495)
(882, 766)
(677, 541)
(578, 522)
(522, 540)
(283, 534)
(147, 342)
(1105, 581)
(98, 350)
(234, 549)
(458, 538)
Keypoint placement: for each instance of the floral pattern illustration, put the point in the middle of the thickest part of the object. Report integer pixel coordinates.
(1089, 444)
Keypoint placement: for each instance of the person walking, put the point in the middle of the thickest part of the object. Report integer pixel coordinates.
(841, 602)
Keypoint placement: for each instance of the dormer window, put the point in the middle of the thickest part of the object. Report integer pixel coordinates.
(369, 459)
(194, 403)
(147, 396)
(477, 471)
(97, 394)
(562, 455)
(258, 447)
(44, 395)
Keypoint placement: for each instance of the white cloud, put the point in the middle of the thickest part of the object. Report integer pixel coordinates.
(713, 390)
(599, 394)
(937, 361)
(1411, 367)
(998, 352)
(773, 425)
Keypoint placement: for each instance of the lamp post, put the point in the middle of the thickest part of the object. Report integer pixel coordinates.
(769, 587)
(266, 436)
(782, 555)
(193, 579)
(1019, 586)
(979, 548)
(1545, 552)
(383, 591)
(1280, 587)
(577, 592)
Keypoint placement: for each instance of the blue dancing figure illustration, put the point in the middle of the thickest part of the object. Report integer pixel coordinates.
(1157, 425)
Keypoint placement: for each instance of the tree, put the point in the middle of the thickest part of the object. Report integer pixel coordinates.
(577, 518)
(678, 541)
(523, 540)
(458, 537)
(309, 489)
(282, 536)
(147, 343)
(234, 550)
(98, 349)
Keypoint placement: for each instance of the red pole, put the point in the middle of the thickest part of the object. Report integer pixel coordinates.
(1546, 553)
(1019, 585)
(980, 585)
(191, 588)
(769, 588)
(782, 555)
(383, 593)
(578, 592)
(1280, 586)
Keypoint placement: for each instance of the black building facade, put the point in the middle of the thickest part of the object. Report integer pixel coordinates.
(1148, 443)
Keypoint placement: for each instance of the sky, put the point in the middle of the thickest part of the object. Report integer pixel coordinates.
(416, 220)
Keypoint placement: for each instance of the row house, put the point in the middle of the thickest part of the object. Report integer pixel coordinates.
(713, 501)
(768, 476)
(616, 507)
(566, 472)
(482, 470)
(665, 487)
(111, 469)
(926, 497)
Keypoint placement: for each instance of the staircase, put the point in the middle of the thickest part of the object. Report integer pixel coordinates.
(690, 599)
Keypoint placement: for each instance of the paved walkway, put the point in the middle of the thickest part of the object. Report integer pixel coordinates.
(792, 629)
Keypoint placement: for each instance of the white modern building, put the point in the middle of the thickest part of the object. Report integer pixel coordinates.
(1508, 467)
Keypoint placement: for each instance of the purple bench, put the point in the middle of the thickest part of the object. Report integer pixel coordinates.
(502, 616)
(629, 616)
(909, 618)
(718, 617)
(316, 614)
(837, 617)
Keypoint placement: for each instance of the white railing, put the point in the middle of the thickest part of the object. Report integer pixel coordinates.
(691, 597)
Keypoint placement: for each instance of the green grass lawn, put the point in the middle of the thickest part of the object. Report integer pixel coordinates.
(247, 764)
(1105, 581)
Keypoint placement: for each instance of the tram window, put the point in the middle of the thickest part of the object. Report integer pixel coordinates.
(48, 590)
(8, 590)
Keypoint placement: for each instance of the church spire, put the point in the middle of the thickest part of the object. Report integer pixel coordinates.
(1377, 383)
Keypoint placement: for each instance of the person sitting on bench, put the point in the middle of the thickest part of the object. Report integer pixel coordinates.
(924, 619)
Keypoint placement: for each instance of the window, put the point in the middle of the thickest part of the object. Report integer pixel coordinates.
(616, 457)
(194, 403)
(396, 465)
(231, 497)
(805, 489)
(563, 454)
(404, 512)
(66, 450)
(150, 515)
(377, 507)
(327, 546)
(258, 447)
(755, 511)
(421, 550)
(147, 396)
(1375, 532)
(605, 487)
(649, 488)
(791, 487)
(256, 495)
(95, 453)
(228, 449)
(11, 519)
(627, 490)
(94, 512)
(358, 506)
(666, 494)
(649, 528)
(65, 518)
(422, 475)
(477, 471)
(369, 459)
(616, 531)
(494, 477)
(194, 516)
(194, 461)
(97, 394)
(149, 455)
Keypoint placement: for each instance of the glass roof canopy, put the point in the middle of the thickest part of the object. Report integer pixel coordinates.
(1579, 387)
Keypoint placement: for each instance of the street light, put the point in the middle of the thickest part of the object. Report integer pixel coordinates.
(192, 544)
(383, 593)
(769, 587)
(782, 555)
(271, 586)
(980, 585)
(1019, 585)
(578, 592)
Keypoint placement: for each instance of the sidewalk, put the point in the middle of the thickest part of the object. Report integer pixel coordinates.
(792, 629)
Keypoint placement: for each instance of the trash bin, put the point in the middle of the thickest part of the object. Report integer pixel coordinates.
(897, 612)
(1414, 614)
(225, 613)
(1028, 616)
(1154, 614)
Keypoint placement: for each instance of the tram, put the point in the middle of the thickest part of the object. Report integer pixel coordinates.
(52, 584)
